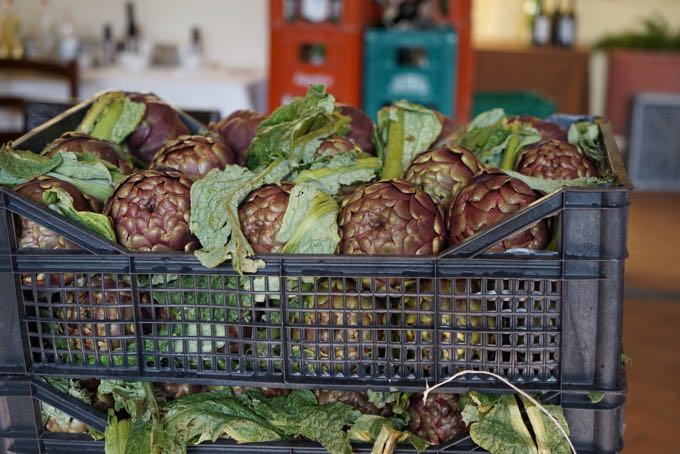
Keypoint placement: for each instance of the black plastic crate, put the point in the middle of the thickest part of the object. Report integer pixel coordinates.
(546, 321)
(594, 427)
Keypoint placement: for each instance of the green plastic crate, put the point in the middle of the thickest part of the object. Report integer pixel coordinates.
(418, 66)
(514, 103)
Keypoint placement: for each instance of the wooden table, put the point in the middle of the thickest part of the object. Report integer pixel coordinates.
(560, 74)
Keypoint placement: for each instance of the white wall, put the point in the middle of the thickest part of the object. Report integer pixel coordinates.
(235, 32)
(503, 21)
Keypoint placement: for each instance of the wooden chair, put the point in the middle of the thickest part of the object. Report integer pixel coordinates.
(64, 71)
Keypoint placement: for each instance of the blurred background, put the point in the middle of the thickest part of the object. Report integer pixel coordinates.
(613, 58)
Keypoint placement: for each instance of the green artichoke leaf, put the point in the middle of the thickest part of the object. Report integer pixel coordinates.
(299, 413)
(397, 399)
(295, 130)
(340, 170)
(383, 434)
(404, 130)
(112, 117)
(88, 173)
(149, 437)
(495, 142)
(59, 200)
(136, 398)
(19, 166)
(586, 136)
(497, 425)
(309, 225)
(218, 414)
(116, 434)
(219, 229)
(487, 119)
(549, 438)
(548, 186)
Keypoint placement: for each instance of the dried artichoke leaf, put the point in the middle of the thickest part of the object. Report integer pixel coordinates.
(59, 200)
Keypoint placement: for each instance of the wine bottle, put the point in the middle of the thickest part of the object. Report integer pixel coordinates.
(132, 37)
(540, 33)
(565, 27)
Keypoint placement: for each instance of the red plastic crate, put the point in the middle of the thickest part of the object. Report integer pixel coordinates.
(292, 71)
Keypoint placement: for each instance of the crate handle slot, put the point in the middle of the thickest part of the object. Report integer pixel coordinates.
(524, 218)
(44, 216)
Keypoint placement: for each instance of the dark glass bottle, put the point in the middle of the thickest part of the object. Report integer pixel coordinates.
(132, 36)
(564, 25)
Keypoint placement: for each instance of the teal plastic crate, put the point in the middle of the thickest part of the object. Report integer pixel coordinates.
(514, 103)
(416, 65)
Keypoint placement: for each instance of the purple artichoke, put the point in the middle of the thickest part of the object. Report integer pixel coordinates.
(357, 400)
(32, 235)
(237, 131)
(449, 126)
(106, 301)
(443, 172)
(261, 214)
(362, 127)
(338, 325)
(555, 160)
(159, 124)
(488, 198)
(194, 156)
(391, 217)
(78, 142)
(335, 145)
(150, 211)
(437, 420)
(547, 129)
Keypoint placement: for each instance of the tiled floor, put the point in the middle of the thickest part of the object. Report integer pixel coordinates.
(652, 325)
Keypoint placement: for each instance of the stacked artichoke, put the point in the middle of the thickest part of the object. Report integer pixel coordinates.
(107, 301)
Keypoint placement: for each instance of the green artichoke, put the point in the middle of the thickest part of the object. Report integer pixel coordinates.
(261, 214)
(194, 156)
(78, 142)
(150, 211)
(391, 217)
(237, 131)
(443, 172)
(488, 198)
(110, 302)
(437, 420)
(555, 160)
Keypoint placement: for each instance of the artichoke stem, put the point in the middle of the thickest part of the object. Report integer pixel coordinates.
(395, 149)
(510, 155)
